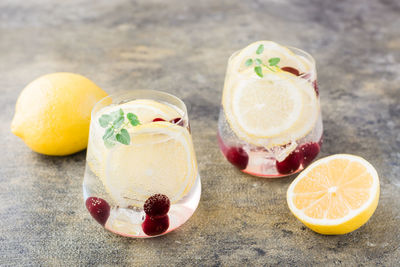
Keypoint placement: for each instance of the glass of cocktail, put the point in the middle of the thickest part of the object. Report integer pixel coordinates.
(270, 122)
(141, 176)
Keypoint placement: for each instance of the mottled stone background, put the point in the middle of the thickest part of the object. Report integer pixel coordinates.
(182, 47)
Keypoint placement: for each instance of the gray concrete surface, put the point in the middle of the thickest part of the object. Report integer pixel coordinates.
(182, 47)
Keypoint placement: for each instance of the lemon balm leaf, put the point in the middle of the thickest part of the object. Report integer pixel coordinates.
(249, 62)
(133, 119)
(117, 114)
(118, 122)
(260, 49)
(109, 133)
(274, 61)
(258, 71)
(104, 120)
(116, 131)
(123, 137)
(109, 143)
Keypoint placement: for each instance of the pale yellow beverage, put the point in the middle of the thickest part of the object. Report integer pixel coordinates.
(140, 154)
(270, 122)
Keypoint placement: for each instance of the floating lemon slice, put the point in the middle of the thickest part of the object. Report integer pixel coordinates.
(271, 50)
(266, 107)
(335, 195)
(145, 109)
(160, 159)
(307, 118)
(269, 111)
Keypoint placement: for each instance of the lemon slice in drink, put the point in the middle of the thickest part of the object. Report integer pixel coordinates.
(271, 50)
(160, 159)
(145, 109)
(307, 118)
(272, 110)
(335, 195)
(265, 107)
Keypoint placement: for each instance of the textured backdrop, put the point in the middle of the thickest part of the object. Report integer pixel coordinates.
(182, 47)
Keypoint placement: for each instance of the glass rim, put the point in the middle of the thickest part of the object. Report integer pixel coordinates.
(126, 93)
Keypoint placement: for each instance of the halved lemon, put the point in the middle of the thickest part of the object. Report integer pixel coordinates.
(160, 159)
(335, 195)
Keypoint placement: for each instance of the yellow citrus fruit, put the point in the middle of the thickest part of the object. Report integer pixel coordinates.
(52, 113)
(335, 195)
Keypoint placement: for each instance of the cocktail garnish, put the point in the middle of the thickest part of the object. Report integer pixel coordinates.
(115, 127)
(272, 62)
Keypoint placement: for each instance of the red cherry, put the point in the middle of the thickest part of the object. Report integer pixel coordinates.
(99, 209)
(178, 121)
(238, 157)
(158, 119)
(291, 70)
(155, 226)
(157, 205)
(290, 164)
(315, 85)
(306, 76)
(309, 152)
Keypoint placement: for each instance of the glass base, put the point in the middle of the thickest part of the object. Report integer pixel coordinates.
(276, 162)
(127, 221)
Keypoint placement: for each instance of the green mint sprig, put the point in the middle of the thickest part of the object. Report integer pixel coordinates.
(115, 127)
(272, 62)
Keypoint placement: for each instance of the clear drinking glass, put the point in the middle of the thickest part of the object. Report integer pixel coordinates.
(270, 126)
(141, 176)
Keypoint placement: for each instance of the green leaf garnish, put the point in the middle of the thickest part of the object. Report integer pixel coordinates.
(118, 122)
(133, 119)
(260, 49)
(116, 114)
(123, 137)
(249, 62)
(109, 143)
(258, 70)
(108, 134)
(274, 61)
(104, 120)
(115, 124)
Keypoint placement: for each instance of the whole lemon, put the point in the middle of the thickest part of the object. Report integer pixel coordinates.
(52, 114)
